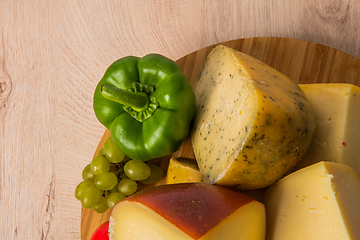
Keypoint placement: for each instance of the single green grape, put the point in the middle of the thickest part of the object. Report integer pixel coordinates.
(137, 170)
(112, 152)
(87, 173)
(106, 181)
(114, 198)
(119, 170)
(90, 197)
(99, 165)
(101, 152)
(81, 187)
(123, 176)
(127, 187)
(101, 206)
(155, 175)
(114, 189)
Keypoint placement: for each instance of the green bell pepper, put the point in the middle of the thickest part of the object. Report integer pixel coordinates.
(147, 104)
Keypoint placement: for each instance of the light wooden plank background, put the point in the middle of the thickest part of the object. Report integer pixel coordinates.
(53, 53)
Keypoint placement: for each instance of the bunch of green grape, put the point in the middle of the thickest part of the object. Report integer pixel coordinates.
(111, 177)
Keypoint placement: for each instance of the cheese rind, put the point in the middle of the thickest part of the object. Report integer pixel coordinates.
(183, 170)
(252, 125)
(188, 211)
(337, 136)
(320, 201)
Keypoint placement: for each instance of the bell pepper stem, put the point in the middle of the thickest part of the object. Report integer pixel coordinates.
(137, 100)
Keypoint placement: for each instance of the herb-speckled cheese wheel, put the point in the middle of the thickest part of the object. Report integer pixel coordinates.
(253, 124)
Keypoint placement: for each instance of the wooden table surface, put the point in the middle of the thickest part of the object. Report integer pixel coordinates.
(53, 53)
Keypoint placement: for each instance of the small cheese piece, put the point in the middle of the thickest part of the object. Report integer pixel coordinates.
(253, 124)
(183, 170)
(337, 136)
(320, 201)
(188, 211)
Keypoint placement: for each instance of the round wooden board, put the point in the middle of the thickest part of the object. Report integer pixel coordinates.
(302, 61)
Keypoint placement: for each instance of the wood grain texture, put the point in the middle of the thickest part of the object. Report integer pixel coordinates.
(302, 61)
(52, 54)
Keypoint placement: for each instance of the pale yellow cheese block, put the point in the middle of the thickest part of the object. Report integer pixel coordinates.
(337, 136)
(183, 170)
(253, 124)
(321, 201)
(187, 212)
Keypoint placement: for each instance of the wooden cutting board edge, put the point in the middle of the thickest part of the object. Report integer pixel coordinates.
(302, 61)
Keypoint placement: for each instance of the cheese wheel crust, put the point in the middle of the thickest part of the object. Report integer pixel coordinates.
(253, 124)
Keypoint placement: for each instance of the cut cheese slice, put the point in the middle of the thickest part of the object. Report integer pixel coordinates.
(320, 201)
(188, 211)
(183, 170)
(133, 220)
(253, 124)
(337, 136)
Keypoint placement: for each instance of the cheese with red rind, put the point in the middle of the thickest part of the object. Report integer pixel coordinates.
(187, 211)
(175, 206)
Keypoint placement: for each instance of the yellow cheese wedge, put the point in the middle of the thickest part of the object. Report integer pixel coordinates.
(320, 201)
(188, 211)
(183, 170)
(253, 124)
(337, 136)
